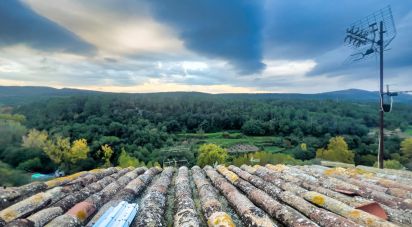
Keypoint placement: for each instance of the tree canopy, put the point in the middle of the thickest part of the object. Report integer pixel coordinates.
(107, 153)
(210, 154)
(75, 132)
(62, 152)
(126, 160)
(337, 150)
(406, 148)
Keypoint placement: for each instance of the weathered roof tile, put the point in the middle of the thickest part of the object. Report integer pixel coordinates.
(154, 203)
(260, 196)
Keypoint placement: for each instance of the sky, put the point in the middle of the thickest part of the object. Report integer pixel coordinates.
(214, 46)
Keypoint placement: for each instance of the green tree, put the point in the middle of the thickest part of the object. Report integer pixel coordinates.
(301, 152)
(210, 154)
(30, 165)
(367, 160)
(406, 148)
(11, 132)
(253, 127)
(337, 151)
(12, 177)
(13, 117)
(125, 160)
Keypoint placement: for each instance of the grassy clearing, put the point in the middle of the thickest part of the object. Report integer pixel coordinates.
(409, 131)
(229, 139)
(273, 149)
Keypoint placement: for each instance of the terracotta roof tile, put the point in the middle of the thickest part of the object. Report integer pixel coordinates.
(271, 195)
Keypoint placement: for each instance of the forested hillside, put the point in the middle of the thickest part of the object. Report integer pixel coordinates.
(16, 95)
(107, 129)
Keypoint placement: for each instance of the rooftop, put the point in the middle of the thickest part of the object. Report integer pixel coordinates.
(271, 195)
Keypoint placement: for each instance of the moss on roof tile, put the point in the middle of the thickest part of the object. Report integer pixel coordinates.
(313, 194)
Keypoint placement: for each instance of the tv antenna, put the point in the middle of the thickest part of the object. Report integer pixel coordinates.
(387, 105)
(372, 35)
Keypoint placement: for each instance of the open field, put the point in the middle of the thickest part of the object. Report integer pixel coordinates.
(273, 149)
(409, 131)
(227, 140)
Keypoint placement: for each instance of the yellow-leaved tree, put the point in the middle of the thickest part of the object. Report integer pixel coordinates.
(406, 148)
(61, 152)
(125, 160)
(210, 154)
(56, 148)
(337, 151)
(35, 139)
(304, 146)
(107, 153)
(78, 151)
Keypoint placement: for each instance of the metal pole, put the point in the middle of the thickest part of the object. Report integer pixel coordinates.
(381, 134)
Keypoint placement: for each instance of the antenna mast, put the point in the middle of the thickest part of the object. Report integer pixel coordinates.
(381, 113)
(362, 37)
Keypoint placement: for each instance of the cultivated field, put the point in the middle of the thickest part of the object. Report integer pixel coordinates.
(232, 139)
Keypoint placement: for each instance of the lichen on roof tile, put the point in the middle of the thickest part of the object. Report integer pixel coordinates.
(267, 195)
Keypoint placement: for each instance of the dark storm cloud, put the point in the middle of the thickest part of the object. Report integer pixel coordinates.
(397, 56)
(19, 24)
(315, 29)
(229, 29)
(301, 29)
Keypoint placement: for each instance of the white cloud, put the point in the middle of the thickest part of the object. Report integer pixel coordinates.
(158, 85)
(7, 66)
(287, 67)
(130, 32)
(194, 65)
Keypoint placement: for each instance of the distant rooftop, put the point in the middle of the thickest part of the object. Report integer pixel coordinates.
(334, 194)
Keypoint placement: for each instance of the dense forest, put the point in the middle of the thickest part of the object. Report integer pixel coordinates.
(106, 129)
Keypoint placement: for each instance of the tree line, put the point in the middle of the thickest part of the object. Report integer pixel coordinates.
(76, 132)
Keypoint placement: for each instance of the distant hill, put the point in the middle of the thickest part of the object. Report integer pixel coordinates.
(355, 95)
(362, 95)
(348, 95)
(12, 95)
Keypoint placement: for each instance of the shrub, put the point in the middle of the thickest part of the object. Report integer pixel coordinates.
(226, 135)
(210, 154)
(16, 155)
(125, 160)
(31, 165)
(390, 164)
(367, 160)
